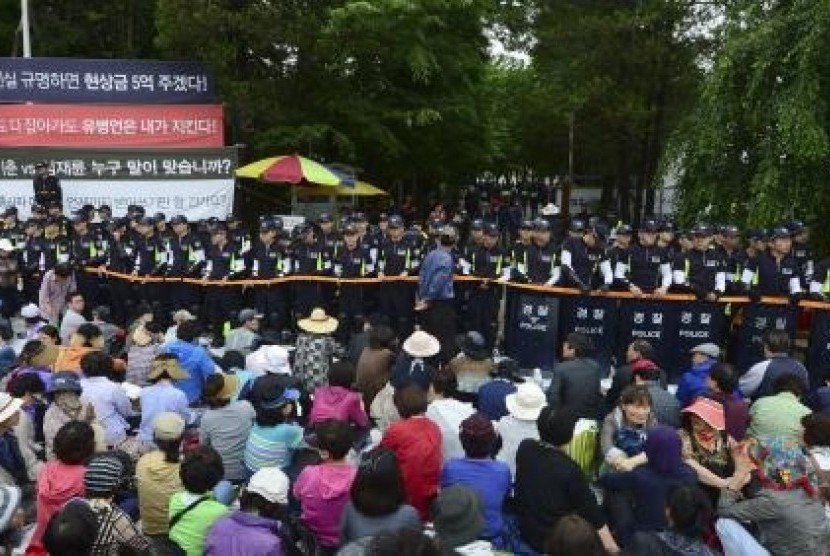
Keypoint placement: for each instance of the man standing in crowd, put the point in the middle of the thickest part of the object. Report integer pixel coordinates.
(435, 300)
(47, 187)
(701, 270)
(774, 271)
(268, 260)
(584, 264)
(647, 268)
(397, 256)
(489, 262)
(224, 262)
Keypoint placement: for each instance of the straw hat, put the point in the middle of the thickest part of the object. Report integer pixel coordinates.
(421, 344)
(170, 366)
(230, 386)
(141, 337)
(527, 402)
(318, 322)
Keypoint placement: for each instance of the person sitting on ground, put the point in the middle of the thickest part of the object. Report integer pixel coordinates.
(688, 513)
(31, 390)
(73, 317)
(693, 382)
(162, 396)
(144, 316)
(323, 489)
(116, 531)
(194, 510)
(113, 335)
(27, 432)
(416, 362)
(375, 363)
(722, 384)
(180, 316)
(777, 491)
(624, 430)
(337, 400)
(36, 357)
(649, 485)
(146, 344)
(706, 446)
(112, 406)
(273, 438)
(33, 322)
(360, 341)
(523, 409)
(759, 380)
(253, 528)
(779, 414)
(18, 464)
(49, 335)
(638, 351)
(665, 406)
(573, 535)
(87, 339)
(477, 470)
(448, 413)
(377, 502)
(226, 425)
(193, 358)
(416, 442)
(157, 477)
(492, 396)
(576, 380)
(550, 485)
(63, 478)
(243, 337)
(72, 530)
(316, 348)
(459, 522)
(473, 366)
(66, 406)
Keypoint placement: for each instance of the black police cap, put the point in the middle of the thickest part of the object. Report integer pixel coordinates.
(178, 219)
(491, 229)
(395, 221)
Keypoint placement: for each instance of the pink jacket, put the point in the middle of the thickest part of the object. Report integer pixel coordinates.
(336, 402)
(323, 492)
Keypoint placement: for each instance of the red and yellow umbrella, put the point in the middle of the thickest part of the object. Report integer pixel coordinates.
(292, 169)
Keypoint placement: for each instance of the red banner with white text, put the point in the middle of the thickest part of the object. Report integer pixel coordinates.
(65, 125)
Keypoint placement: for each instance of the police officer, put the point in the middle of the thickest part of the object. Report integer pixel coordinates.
(12, 229)
(33, 260)
(520, 251)
(734, 257)
(223, 262)
(57, 248)
(151, 261)
(269, 260)
(647, 269)
(121, 259)
(310, 258)
(47, 187)
(490, 262)
(820, 282)
(186, 259)
(88, 250)
(701, 270)
(801, 249)
(583, 261)
(354, 261)
(619, 253)
(542, 255)
(54, 210)
(398, 255)
(775, 272)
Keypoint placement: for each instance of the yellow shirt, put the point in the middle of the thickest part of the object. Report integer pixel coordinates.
(157, 480)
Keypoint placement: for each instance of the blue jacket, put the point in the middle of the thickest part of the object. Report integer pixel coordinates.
(435, 278)
(693, 382)
(196, 362)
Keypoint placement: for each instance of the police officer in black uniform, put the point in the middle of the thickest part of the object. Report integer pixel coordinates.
(775, 272)
(542, 255)
(122, 254)
(186, 259)
(700, 270)
(520, 251)
(619, 253)
(801, 251)
(398, 255)
(57, 247)
(88, 250)
(583, 261)
(734, 258)
(47, 187)
(33, 259)
(151, 261)
(490, 262)
(309, 258)
(354, 261)
(224, 262)
(647, 268)
(269, 260)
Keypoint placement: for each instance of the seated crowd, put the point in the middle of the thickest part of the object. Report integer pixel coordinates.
(155, 445)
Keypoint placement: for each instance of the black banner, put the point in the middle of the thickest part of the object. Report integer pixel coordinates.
(536, 320)
(652, 321)
(120, 164)
(596, 317)
(818, 356)
(75, 81)
(758, 318)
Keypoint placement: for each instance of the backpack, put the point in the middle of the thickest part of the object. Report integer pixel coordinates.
(297, 539)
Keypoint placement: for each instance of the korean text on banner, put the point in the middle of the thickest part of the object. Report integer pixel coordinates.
(60, 125)
(77, 81)
(120, 164)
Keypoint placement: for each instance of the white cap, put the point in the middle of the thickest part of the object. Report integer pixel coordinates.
(270, 483)
(30, 311)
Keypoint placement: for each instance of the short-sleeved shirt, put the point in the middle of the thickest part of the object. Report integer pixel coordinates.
(271, 446)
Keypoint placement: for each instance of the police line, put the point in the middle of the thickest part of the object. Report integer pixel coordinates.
(538, 317)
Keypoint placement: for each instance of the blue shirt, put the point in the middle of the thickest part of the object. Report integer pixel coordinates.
(693, 382)
(490, 479)
(196, 362)
(492, 398)
(435, 278)
(157, 399)
(271, 446)
(112, 407)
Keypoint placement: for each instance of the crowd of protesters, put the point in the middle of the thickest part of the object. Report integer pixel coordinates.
(176, 417)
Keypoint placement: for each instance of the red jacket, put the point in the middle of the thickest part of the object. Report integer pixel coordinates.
(57, 484)
(417, 444)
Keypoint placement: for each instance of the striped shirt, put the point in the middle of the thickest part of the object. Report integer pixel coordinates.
(117, 534)
(271, 446)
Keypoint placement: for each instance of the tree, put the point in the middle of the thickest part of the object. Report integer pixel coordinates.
(755, 150)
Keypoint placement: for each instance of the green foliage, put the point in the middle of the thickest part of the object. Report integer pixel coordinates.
(756, 150)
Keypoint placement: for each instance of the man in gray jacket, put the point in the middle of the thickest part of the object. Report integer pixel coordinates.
(576, 380)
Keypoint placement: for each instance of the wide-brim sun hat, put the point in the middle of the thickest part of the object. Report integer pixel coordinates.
(527, 402)
(710, 411)
(170, 366)
(318, 322)
(421, 344)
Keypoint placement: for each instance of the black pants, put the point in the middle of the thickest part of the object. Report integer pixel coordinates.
(271, 302)
(483, 312)
(183, 296)
(439, 320)
(396, 300)
(9, 301)
(123, 296)
(306, 298)
(351, 305)
(221, 305)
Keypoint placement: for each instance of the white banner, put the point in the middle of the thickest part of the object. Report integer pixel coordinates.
(196, 199)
